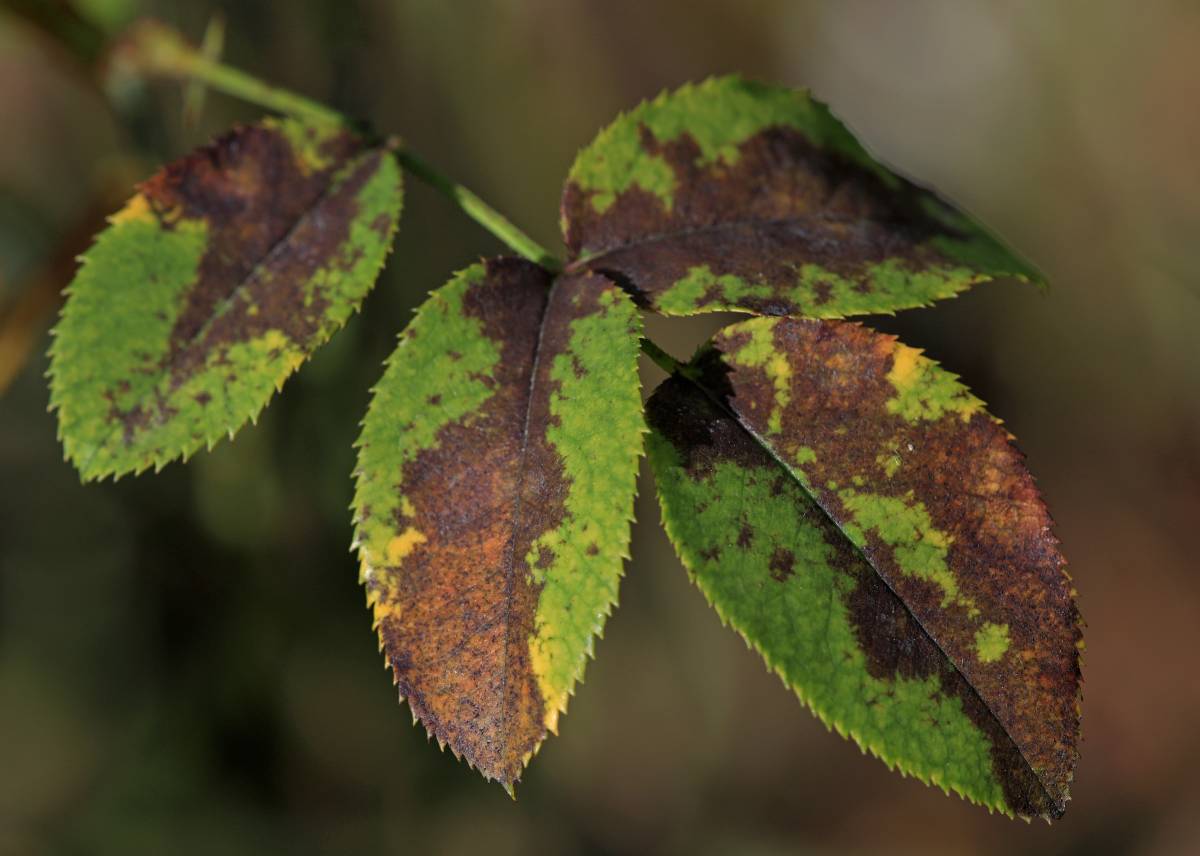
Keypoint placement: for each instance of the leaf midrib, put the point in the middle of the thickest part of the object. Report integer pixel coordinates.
(587, 259)
(518, 507)
(167, 366)
(729, 411)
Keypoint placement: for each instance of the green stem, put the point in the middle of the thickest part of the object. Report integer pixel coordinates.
(662, 359)
(157, 49)
(154, 48)
(479, 211)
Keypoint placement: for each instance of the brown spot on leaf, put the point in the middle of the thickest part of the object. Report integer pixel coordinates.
(271, 223)
(461, 610)
(962, 470)
(383, 226)
(782, 204)
(782, 564)
(894, 643)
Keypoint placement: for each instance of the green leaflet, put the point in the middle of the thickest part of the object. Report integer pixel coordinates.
(777, 570)
(579, 584)
(732, 195)
(214, 283)
(492, 517)
(780, 574)
(932, 538)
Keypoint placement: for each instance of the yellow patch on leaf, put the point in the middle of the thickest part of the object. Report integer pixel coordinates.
(137, 210)
(401, 546)
(904, 371)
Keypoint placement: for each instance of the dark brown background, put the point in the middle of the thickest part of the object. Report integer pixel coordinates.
(186, 662)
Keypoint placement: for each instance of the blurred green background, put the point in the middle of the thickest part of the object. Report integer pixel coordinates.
(186, 663)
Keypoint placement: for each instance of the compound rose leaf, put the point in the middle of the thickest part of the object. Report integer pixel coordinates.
(495, 488)
(212, 285)
(731, 195)
(854, 512)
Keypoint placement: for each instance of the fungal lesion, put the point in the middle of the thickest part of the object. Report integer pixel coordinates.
(702, 289)
(760, 352)
(920, 549)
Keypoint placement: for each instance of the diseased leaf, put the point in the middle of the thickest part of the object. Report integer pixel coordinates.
(732, 195)
(854, 512)
(216, 281)
(494, 493)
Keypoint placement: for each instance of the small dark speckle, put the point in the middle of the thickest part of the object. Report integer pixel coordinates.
(382, 225)
(782, 564)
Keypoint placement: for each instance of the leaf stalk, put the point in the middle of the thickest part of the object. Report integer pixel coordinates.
(478, 210)
(662, 359)
(154, 49)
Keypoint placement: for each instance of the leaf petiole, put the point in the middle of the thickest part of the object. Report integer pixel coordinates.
(152, 48)
(479, 211)
(662, 359)
(155, 49)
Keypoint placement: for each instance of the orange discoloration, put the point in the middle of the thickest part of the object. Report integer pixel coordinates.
(456, 602)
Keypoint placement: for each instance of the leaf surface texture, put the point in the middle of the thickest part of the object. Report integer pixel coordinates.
(732, 195)
(495, 487)
(856, 514)
(212, 285)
